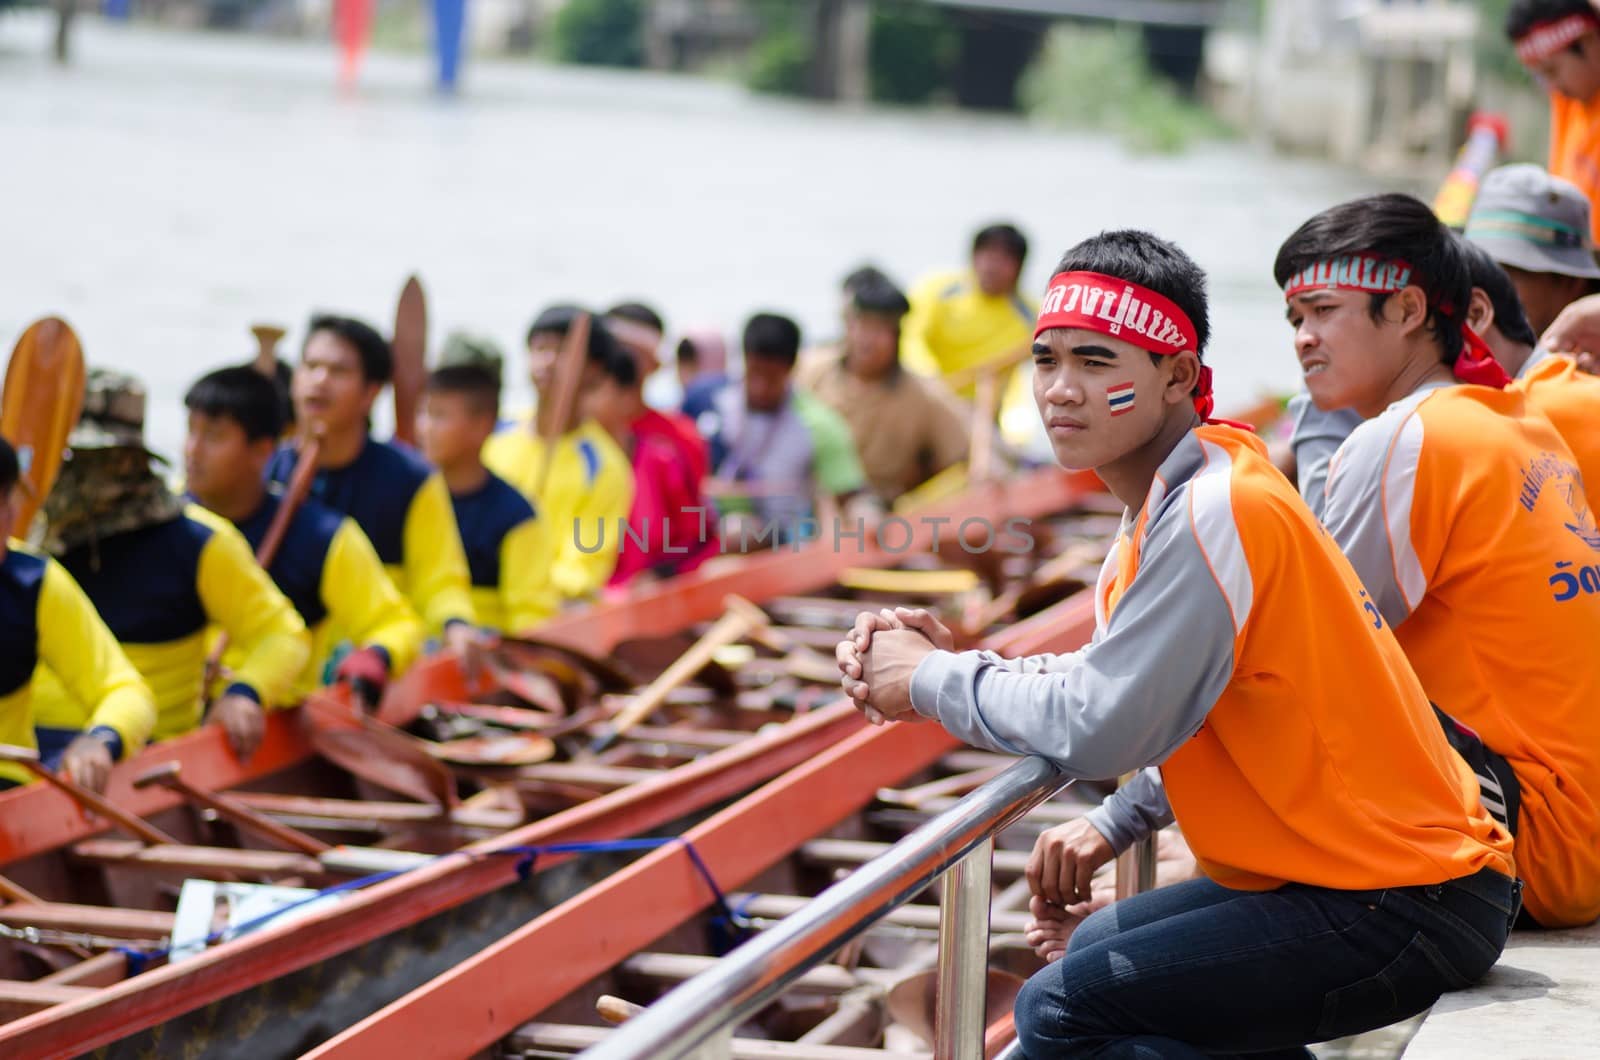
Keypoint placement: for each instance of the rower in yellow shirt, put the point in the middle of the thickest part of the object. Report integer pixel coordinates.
(162, 574)
(508, 551)
(325, 565)
(45, 616)
(587, 490)
(398, 501)
(960, 320)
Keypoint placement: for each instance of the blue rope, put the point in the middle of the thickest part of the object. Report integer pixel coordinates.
(727, 919)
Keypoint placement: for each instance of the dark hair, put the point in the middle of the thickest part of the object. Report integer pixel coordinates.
(856, 278)
(638, 313)
(623, 369)
(879, 295)
(377, 359)
(687, 352)
(1390, 226)
(773, 337)
(10, 470)
(477, 383)
(1007, 237)
(244, 396)
(1489, 277)
(1523, 15)
(558, 319)
(1151, 262)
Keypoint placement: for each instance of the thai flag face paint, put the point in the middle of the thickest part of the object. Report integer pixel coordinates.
(1120, 397)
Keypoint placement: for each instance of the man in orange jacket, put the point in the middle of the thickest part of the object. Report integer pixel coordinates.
(1238, 661)
(1559, 42)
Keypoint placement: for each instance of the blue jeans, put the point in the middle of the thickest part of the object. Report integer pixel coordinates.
(1198, 970)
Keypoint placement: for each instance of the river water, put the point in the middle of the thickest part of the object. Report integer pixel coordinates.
(169, 189)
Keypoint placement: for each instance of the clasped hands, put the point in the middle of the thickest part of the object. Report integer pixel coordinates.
(879, 655)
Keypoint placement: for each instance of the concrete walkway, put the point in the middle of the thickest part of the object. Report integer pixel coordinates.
(1541, 1002)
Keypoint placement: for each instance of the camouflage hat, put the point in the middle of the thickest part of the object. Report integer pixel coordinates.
(113, 414)
(462, 348)
(107, 485)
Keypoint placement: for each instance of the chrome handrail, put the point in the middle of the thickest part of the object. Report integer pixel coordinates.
(753, 974)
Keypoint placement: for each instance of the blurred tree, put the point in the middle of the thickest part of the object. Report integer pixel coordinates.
(600, 32)
(912, 53)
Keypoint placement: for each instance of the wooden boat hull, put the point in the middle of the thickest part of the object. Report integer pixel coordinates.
(157, 997)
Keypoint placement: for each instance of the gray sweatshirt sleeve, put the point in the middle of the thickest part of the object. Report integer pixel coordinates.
(1368, 509)
(1144, 685)
(1137, 809)
(1317, 436)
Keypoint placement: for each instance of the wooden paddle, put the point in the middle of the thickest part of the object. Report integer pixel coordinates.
(294, 495)
(568, 374)
(742, 618)
(40, 405)
(267, 338)
(373, 751)
(86, 799)
(167, 775)
(410, 358)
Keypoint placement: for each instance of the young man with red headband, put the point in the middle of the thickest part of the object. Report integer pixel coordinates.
(1559, 42)
(1350, 874)
(1463, 511)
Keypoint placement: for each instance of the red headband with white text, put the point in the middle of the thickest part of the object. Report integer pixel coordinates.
(1106, 305)
(1549, 39)
(1378, 275)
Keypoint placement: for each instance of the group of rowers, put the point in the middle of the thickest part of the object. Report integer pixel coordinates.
(1361, 679)
(483, 527)
(1369, 702)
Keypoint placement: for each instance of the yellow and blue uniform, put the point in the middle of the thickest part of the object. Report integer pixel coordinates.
(404, 509)
(508, 556)
(159, 589)
(333, 577)
(585, 499)
(45, 617)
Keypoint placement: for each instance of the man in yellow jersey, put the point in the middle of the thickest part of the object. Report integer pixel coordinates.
(583, 489)
(1235, 650)
(1559, 43)
(163, 575)
(324, 564)
(398, 501)
(44, 616)
(961, 320)
(1463, 511)
(1553, 384)
(1536, 227)
(508, 551)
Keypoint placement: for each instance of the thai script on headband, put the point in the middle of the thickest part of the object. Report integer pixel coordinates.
(1127, 311)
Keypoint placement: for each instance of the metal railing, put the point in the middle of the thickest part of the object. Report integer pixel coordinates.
(959, 840)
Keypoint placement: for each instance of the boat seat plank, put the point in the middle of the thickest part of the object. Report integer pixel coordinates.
(103, 969)
(778, 906)
(94, 919)
(571, 1036)
(359, 810)
(1539, 1001)
(196, 860)
(18, 999)
(852, 852)
(825, 978)
(593, 774)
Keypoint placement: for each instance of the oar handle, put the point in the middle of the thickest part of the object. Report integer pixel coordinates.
(294, 495)
(569, 372)
(167, 775)
(86, 799)
(739, 620)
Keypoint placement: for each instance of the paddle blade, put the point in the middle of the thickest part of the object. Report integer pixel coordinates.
(410, 358)
(375, 752)
(40, 405)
